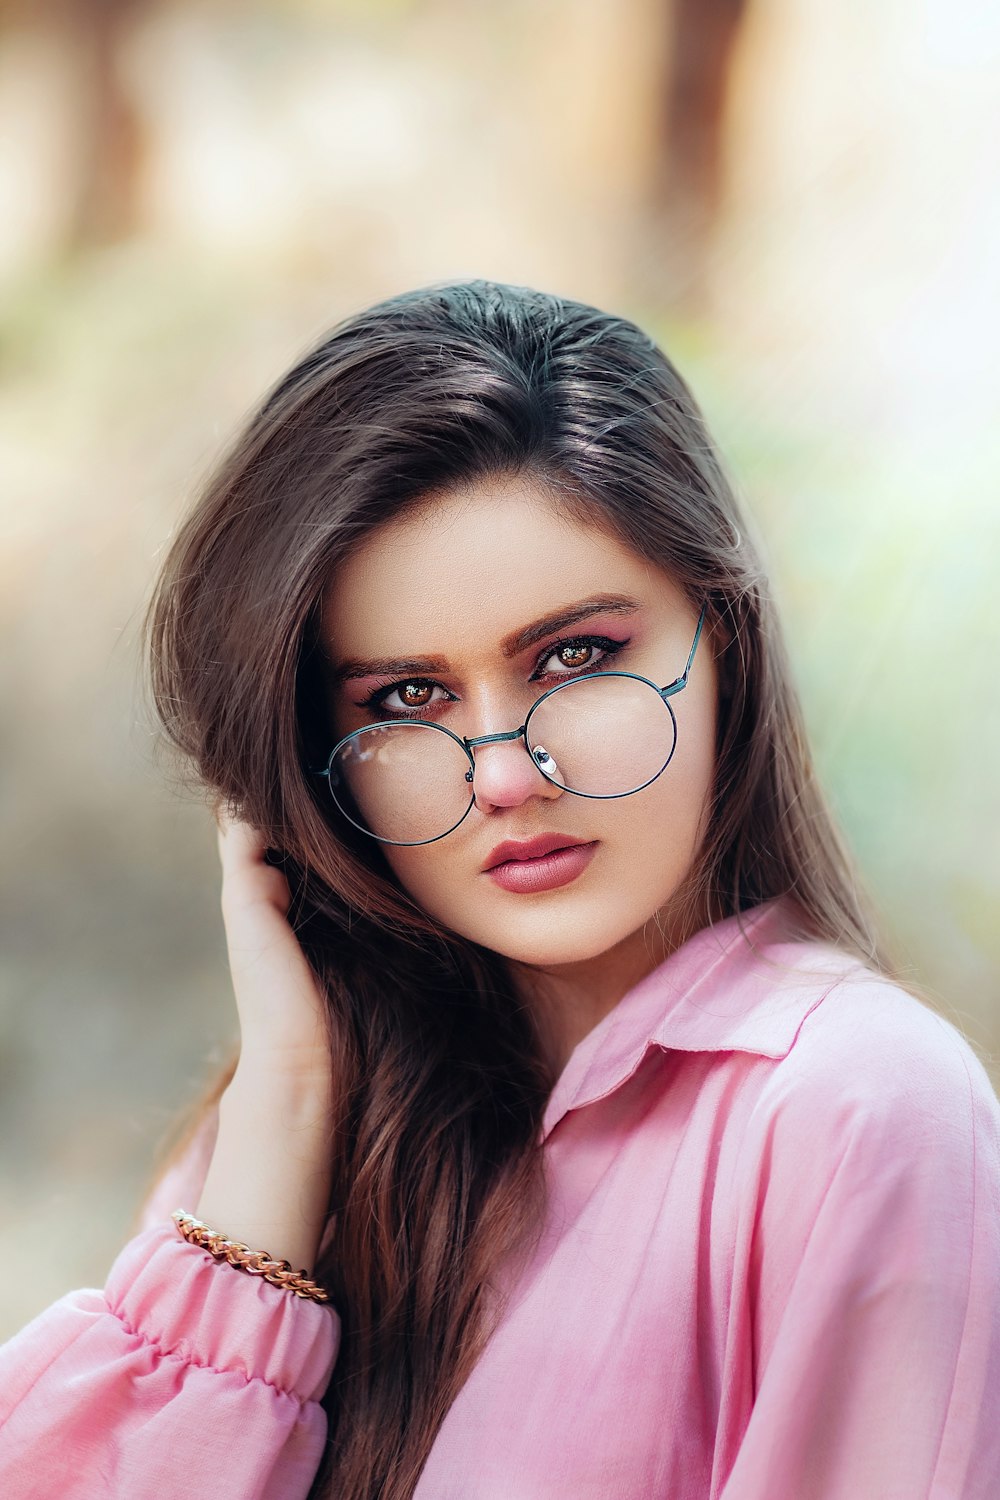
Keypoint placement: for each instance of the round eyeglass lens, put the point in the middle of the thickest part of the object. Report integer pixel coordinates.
(602, 736)
(405, 783)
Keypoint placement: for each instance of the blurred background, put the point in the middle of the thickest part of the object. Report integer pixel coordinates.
(799, 199)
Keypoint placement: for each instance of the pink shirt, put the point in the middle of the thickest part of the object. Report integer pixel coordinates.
(769, 1271)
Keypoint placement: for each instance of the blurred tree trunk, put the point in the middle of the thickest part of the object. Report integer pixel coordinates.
(110, 145)
(687, 184)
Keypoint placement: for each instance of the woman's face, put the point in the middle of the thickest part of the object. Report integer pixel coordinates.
(458, 580)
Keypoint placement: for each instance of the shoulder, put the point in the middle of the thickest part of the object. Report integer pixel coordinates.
(867, 1165)
(870, 1054)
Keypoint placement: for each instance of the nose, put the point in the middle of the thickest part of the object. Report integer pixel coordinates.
(505, 776)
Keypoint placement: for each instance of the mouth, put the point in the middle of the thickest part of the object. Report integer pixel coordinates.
(542, 869)
(515, 851)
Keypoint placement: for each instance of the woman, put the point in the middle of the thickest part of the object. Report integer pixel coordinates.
(572, 1074)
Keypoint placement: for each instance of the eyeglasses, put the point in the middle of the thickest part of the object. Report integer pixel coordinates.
(601, 735)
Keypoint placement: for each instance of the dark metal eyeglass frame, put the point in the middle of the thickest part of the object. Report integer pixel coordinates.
(469, 744)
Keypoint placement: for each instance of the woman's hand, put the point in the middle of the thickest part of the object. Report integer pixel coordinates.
(268, 1183)
(281, 1010)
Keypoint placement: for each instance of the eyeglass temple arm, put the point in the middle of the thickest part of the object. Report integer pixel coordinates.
(681, 681)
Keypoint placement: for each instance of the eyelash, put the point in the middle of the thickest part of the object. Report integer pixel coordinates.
(609, 647)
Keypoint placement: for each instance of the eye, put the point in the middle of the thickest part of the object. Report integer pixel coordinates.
(574, 654)
(411, 696)
(583, 653)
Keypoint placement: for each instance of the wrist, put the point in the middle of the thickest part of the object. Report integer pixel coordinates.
(269, 1179)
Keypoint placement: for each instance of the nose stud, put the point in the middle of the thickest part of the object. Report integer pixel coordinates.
(543, 760)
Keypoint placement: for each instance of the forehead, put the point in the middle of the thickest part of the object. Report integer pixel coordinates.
(485, 558)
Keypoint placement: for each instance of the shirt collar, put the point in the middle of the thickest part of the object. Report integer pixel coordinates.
(719, 992)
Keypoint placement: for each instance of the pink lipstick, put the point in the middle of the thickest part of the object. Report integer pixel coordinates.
(541, 864)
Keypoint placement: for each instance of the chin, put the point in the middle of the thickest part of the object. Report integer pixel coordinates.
(548, 940)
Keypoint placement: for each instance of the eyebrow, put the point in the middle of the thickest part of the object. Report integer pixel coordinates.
(511, 645)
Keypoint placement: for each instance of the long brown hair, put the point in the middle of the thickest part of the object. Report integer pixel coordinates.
(436, 1176)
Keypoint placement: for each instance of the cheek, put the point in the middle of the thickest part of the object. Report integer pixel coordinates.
(654, 835)
(426, 871)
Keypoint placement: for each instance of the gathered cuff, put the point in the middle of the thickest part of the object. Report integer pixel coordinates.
(178, 1298)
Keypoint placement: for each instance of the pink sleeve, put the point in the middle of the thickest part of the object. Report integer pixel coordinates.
(870, 1287)
(183, 1376)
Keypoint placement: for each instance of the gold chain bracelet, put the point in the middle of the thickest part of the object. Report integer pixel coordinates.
(256, 1262)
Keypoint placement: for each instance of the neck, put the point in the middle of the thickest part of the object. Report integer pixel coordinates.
(569, 1000)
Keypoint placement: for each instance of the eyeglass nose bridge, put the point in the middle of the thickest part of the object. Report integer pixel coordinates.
(499, 739)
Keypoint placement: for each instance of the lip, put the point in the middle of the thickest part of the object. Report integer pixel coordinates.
(534, 848)
(546, 872)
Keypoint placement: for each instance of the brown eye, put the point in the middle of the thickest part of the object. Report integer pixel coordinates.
(414, 694)
(407, 697)
(575, 656)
